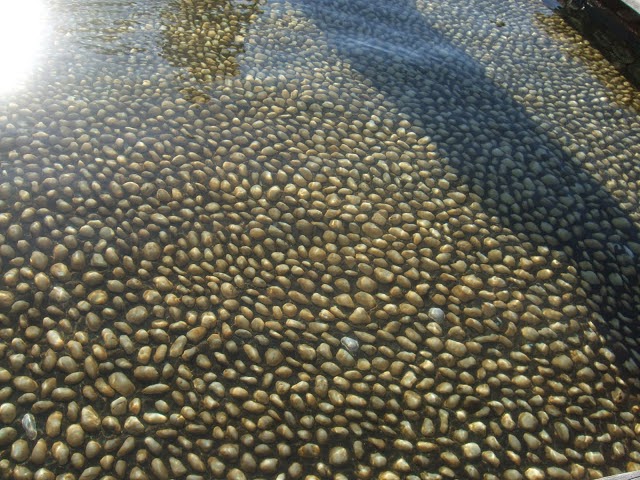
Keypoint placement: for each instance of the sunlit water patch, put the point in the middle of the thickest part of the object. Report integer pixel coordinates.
(22, 37)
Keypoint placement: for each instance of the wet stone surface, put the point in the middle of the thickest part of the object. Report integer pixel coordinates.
(328, 239)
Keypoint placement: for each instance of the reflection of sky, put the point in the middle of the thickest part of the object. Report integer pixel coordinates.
(22, 25)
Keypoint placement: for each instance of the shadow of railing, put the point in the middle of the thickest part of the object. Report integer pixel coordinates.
(525, 181)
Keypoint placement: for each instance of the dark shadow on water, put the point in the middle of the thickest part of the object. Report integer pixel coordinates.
(527, 183)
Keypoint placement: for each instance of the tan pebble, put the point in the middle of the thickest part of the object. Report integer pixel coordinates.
(59, 295)
(253, 407)
(151, 251)
(177, 467)
(229, 451)
(89, 419)
(491, 458)
(389, 475)
(137, 315)
(365, 300)
(60, 271)
(7, 412)
(118, 406)
(269, 465)
(338, 456)
(367, 284)
(42, 282)
(458, 197)
(455, 348)
(450, 459)
(372, 230)
(177, 347)
(594, 458)
(25, 384)
(60, 452)
(7, 435)
(236, 474)
(521, 381)
(472, 281)
(121, 384)
(533, 473)
(317, 254)
(55, 340)
(196, 462)
(309, 450)
(512, 474)
(345, 300)
(507, 421)
(463, 293)
(20, 450)
(554, 456)
(544, 274)
(273, 357)
(414, 298)
(360, 317)
(156, 389)
(530, 334)
(163, 284)
(563, 362)
(98, 297)
(557, 473)
(75, 435)
(471, 450)
(154, 418)
(196, 334)
(53, 424)
(159, 469)
(38, 260)
(306, 352)
(6, 299)
(39, 452)
(152, 297)
(146, 373)
(133, 425)
(383, 275)
(63, 394)
(345, 358)
(228, 290)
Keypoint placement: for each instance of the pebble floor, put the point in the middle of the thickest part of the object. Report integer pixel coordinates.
(317, 239)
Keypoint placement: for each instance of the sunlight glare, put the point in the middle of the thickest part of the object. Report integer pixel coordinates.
(22, 25)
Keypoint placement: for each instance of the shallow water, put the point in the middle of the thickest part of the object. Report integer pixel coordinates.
(225, 226)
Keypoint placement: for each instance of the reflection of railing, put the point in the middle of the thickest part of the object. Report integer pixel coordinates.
(613, 26)
(624, 12)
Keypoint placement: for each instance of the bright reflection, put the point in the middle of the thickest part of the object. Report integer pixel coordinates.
(21, 36)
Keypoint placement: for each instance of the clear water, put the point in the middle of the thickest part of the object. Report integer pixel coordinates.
(216, 198)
